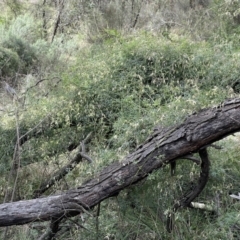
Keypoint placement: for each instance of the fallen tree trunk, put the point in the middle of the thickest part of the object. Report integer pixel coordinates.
(162, 147)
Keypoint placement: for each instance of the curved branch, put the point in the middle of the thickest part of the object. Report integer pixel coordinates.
(202, 181)
(190, 196)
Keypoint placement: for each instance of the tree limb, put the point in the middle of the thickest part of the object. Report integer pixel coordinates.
(196, 132)
(190, 196)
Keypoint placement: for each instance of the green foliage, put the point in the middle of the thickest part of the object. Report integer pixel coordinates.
(24, 51)
(126, 89)
(24, 27)
(9, 62)
(119, 88)
(53, 56)
(118, 91)
(17, 36)
(15, 6)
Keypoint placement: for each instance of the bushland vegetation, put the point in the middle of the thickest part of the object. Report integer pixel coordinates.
(116, 69)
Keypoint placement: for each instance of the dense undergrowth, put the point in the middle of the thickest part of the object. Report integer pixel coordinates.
(118, 86)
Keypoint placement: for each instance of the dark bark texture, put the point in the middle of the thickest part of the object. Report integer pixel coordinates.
(162, 147)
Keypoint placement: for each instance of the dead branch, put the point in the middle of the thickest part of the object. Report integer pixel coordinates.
(193, 135)
(52, 230)
(66, 169)
(190, 196)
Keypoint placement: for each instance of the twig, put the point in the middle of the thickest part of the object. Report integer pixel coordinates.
(41, 80)
(14, 174)
(86, 157)
(137, 15)
(64, 170)
(97, 221)
(57, 23)
(173, 164)
(78, 224)
(215, 146)
(21, 139)
(190, 157)
(52, 230)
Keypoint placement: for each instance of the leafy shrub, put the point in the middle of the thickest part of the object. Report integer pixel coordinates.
(9, 62)
(114, 87)
(24, 50)
(49, 55)
(119, 90)
(17, 36)
(24, 27)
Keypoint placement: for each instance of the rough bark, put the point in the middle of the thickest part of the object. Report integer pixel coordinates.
(162, 147)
